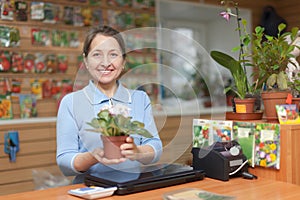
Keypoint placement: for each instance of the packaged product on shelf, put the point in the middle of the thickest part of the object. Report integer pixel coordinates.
(9, 36)
(51, 63)
(17, 62)
(40, 37)
(5, 86)
(16, 86)
(40, 63)
(37, 10)
(244, 134)
(97, 17)
(5, 107)
(77, 16)
(7, 10)
(47, 85)
(62, 63)
(201, 132)
(29, 63)
(73, 39)
(5, 61)
(68, 15)
(60, 38)
(267, 145)
(87, 16)
(120, 19)
(27, 105)
(221, 131)
(143, 4)
(51, 12)
(120, 3)
(21, 10)
(36, 88)
(94, 2)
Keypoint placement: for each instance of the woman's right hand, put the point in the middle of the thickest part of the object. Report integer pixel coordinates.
(98, 154)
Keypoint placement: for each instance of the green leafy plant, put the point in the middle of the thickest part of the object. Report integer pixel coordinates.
(237, 68)
(109, 123)
(271, 56)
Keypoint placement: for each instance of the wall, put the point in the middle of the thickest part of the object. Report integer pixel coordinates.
(288, 9)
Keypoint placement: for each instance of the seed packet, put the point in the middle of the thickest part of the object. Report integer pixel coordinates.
(74, 39)
(40, 63)
(142, 4)
(201, 132)
(267, 145)
(21, 10)
(87, 16)
(47, 84)
(5, 86)
(51, 63)
(16, 85)
(27, 105)
(288, 114)
(5, 107)
(120, 3)
(5, 61)
(37, 10)
(36, 88)
(9, 37)
(221, 131)
(94, 2)
(68, 15)
(62, 63)
(17, 64)
(77, 16)
(120, 19)
(195, 194)
(29, 63)
(60, 38)
(40, 37)
(97, 17)
(51, 12)
(7, 10)
(244, 134)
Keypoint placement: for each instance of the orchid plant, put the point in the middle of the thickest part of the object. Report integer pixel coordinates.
(115, 121)
(237, 67)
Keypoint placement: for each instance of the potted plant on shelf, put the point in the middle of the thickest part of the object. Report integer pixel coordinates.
(244, 101)
(114, 125)
(270, 57)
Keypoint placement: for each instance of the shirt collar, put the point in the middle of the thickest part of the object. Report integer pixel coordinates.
(95, 96)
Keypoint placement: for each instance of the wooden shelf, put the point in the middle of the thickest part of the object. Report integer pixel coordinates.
(57, 76)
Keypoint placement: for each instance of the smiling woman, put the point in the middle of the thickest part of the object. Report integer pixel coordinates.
(79, 150)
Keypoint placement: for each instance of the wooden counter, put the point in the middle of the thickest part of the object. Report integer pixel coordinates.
(238, 187)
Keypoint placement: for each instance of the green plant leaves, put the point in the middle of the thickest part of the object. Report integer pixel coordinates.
(116, 125)
(237, 72)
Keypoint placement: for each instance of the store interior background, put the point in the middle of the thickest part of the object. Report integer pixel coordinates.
(38, 137)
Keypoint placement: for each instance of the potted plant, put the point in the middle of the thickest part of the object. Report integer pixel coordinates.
(114, 125)
(244, 100)
(270, 57)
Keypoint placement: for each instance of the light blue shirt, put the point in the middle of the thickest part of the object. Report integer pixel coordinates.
(78, 108)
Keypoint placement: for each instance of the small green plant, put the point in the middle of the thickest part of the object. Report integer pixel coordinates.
(271, 55)
(237, 68)
(109, 123)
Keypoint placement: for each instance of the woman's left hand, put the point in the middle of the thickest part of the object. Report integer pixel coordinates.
(129, 149)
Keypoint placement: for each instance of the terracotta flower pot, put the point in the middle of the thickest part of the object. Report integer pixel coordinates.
(111, 146)
(270, 100)
(244, 105)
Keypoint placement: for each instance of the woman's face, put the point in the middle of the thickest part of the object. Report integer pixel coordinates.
(104, 61)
